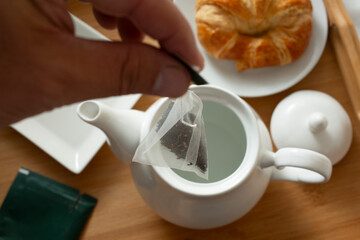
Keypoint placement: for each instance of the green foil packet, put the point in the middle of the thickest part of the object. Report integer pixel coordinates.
(39, 208)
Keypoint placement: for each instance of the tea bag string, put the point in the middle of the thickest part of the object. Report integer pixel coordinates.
(183, 121)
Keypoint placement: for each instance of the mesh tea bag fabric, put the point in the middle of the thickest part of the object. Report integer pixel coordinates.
(178, 138)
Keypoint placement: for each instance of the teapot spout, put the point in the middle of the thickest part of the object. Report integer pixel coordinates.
(121, 126)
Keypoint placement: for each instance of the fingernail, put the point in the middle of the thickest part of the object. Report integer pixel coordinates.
(196, 68)
(200, 66)
(171, 82)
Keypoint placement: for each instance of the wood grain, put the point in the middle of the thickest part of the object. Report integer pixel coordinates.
(286, 211)
(347, 48)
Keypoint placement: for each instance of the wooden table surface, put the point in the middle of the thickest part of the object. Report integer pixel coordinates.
(286, 211)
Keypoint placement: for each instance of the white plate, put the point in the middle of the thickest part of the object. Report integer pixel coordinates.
(60, 132)
(265, 81)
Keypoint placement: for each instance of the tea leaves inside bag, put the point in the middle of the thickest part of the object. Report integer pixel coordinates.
(179, 135)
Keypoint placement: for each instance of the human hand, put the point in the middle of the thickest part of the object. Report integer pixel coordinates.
(43, 65)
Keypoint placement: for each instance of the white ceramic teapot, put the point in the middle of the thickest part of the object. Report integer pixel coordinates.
(241, 160)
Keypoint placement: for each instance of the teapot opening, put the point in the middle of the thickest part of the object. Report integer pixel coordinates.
(89, 111)
(232, 129)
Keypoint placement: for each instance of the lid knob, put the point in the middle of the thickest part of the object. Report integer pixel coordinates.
(317, 122)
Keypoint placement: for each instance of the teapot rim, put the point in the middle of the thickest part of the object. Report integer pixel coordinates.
(248, 118)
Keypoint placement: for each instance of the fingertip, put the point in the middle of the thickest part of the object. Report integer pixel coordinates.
(196, 62)
(171, 82)
(199, 62)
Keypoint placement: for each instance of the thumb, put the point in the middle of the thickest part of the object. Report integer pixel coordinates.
(100, 69)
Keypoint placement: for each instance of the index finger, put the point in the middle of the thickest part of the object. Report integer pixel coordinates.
(161, 20)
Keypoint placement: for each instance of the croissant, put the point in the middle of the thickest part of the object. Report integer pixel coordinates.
(255, 33)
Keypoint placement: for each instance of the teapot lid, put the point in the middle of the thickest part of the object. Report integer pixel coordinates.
(312, 120)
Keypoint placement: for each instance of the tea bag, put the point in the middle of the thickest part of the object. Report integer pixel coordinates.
(177, 140)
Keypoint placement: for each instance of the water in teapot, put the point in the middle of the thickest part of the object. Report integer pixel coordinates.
(226, 143)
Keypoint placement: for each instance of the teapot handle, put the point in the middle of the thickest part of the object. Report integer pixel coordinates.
(298, 165)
